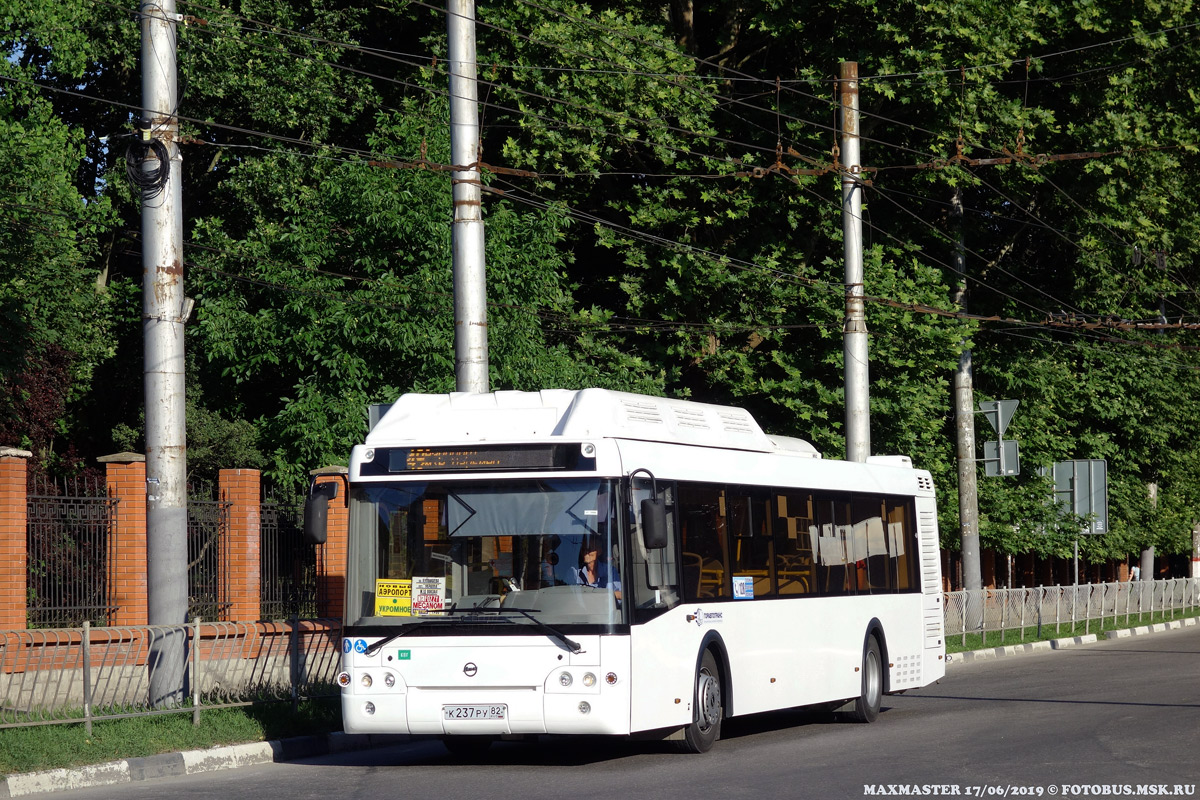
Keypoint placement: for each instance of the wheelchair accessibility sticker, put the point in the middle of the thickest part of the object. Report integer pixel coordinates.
(358, 645)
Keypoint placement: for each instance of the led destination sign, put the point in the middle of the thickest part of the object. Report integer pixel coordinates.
(480, 458)
(442, 459)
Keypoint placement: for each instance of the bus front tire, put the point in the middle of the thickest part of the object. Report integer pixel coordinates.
(706, 723)
(866, 707)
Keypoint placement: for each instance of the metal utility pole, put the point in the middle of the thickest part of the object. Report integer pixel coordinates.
(470, 280)
(163, 304)
(854, 330)
(964, 417)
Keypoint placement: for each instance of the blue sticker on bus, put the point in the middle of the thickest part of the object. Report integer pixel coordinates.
(346, 645)
(360, 645)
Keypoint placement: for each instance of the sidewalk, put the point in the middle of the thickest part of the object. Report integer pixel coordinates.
(243, 755)
(955, 659)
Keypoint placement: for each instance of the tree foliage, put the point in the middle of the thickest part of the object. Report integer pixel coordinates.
(663, 215)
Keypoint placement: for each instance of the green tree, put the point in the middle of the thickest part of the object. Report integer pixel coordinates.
(57, 317)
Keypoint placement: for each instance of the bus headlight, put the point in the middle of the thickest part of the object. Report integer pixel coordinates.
(389, 680)
(565, 678)
(366, 681)
(589, 680)
(584, 707)
(369, 707)
(343, 679)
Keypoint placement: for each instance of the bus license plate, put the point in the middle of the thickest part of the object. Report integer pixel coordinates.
(475, 712)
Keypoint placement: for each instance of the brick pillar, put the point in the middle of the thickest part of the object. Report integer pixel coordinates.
(242, 544)
(332, 556)
(14, 541)
(126, 479)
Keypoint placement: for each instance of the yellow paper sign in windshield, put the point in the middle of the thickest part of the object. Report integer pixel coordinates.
(393, 598)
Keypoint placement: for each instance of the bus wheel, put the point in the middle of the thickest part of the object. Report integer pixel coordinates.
(467, 747)
(706, 724)
(866, 707)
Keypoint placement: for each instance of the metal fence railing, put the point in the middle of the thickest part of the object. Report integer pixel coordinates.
(83, 674)
(70, 546)
(208, 573)
(73, 675)
(289, 587)
(1015, 614)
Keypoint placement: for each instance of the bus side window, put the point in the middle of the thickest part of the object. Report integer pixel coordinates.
(836, 573)
(901, 544)
(751, 542)
(871, 551)
(791, 523)
(701, 507)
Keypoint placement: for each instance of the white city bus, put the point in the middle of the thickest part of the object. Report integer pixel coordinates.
(596, 562)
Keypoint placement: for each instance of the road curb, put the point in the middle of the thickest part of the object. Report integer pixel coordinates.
(1072, 641)
(188, 762)
(1003, 651)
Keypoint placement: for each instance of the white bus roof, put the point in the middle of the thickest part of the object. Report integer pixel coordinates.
(574, 415)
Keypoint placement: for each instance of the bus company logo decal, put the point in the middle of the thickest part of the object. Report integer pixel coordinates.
(469, 669)
(700, 617)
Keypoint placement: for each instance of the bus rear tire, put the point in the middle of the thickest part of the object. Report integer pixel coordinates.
(467, 747)
(866, 707)
(706, 723)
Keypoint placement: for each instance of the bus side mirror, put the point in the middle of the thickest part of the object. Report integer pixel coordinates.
(654, 523)
(316, 512)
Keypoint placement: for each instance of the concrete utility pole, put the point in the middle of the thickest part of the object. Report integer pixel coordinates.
(964, 417)
(162, 329)
(1148, 553)
(1196, 550)
(854, 330)
(470, 278)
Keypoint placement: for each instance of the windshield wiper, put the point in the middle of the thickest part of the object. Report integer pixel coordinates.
(545, 628)
(373, 649)
(549, 630)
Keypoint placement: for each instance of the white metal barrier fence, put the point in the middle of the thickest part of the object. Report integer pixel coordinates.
(1018, 613)
(63, 675)
(83, 674)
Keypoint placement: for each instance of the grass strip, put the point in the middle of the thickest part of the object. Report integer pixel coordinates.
(1064, 630)
(43, 747)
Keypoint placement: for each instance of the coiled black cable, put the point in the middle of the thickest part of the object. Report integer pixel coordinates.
(150, 182)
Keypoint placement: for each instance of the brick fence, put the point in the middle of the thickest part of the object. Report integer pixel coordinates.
(126, 483)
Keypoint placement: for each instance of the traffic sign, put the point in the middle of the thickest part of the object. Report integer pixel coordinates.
(1001, 459)
(998, 413)
(1082, 486)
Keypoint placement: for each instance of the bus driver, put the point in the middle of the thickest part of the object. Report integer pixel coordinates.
(593, 571)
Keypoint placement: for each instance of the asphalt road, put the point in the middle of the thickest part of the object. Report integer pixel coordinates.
(1116, 718)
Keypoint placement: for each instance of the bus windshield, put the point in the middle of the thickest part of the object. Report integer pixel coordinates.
(541, 552)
